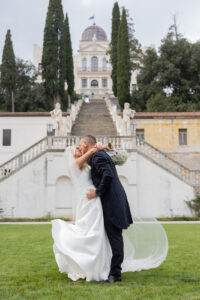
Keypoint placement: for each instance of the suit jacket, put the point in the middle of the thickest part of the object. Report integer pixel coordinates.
(109, 188)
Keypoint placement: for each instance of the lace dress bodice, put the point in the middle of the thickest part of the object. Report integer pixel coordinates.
(85, 178)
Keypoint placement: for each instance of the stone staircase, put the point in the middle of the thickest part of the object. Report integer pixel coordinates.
(94, 118)
(130, 143)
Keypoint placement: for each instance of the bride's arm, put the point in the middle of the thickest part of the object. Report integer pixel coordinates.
(104, 147)
(84, 158)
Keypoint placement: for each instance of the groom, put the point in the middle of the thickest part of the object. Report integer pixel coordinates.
(116, 209)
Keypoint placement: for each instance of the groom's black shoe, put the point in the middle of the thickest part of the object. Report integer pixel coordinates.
(112, 279)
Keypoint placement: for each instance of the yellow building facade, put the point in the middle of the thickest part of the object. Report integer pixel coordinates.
(176, 133)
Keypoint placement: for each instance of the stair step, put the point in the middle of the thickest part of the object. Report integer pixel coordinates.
(94, 118)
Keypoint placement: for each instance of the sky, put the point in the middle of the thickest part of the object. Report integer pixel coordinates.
(152, 18)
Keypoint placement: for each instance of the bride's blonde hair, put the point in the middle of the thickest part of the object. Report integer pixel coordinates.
(73, 149)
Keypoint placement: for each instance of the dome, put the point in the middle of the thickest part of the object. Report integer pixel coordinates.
(89, 32)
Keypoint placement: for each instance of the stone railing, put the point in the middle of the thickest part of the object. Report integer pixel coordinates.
(130, 143)
(65, 123)
(55, 143)
(75, 108)
(190, 176)
(20, 160)
(123, 124)
(97, 70)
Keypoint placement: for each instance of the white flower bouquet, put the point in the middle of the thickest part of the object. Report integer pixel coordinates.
(119, 157)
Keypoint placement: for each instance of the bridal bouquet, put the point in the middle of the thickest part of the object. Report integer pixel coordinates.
(119, 157)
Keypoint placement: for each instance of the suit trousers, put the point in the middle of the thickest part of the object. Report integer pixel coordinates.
(117, 245)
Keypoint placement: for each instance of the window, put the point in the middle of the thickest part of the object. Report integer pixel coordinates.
(140, 134)
(94, 64)
(6, 137)
(84, 64)
(104, 82)
(104, 64)
(84, 82)
(94, 83)
(182, 136)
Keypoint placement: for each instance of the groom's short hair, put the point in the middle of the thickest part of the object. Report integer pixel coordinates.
(90, 139)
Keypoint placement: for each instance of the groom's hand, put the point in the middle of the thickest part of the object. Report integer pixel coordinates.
(91, 194)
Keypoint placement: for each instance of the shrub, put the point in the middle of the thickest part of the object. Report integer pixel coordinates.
(194, 205)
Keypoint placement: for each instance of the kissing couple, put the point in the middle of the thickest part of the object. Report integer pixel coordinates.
(109, 235)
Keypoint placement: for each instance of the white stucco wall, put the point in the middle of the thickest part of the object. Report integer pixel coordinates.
(25, 131)
(26, 198)
(43, 187)
(160, 191)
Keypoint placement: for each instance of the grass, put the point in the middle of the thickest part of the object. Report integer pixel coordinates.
(49, 218)
(183, 218)
(28, 269)
(42, 219)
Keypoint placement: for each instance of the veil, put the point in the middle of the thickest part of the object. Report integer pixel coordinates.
(74, 174)
(145, 241)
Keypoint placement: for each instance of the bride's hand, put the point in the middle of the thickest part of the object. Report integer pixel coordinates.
(94, 149)
(109, 147)
(91, 194)
(99, 146)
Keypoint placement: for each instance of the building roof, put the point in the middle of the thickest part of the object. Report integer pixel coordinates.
(91, 31)
(166, 115)
(28, 114)
(138, 115)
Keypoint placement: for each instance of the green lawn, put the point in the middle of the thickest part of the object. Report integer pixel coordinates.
(28, 269)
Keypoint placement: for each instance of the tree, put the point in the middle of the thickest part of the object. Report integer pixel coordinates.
(8, 71)
(113, 44)
(30, 96)
(169, 81)
(174, 69)
(53, 55)
(69, 64)
(124, 62)
(135, 47)
(158, 102)
(147, 80)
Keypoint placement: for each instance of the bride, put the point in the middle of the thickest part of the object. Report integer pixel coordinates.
(82, 249)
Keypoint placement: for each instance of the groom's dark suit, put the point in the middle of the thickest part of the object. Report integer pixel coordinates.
(116, 209)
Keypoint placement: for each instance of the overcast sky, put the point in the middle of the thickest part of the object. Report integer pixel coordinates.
(152, 18)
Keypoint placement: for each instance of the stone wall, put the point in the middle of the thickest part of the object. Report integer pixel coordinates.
(43, 187)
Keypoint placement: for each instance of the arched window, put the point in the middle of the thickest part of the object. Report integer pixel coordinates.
(94, 64)
(94, 83)
(84, 64)
(104, 64)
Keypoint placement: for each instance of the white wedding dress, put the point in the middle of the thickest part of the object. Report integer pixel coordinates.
(82, 250)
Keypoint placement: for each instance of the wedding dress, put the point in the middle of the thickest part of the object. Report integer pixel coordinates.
(82, 250)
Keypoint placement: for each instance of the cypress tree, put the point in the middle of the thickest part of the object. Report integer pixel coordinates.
(123, 62)
(69, 64)
(52, 57)
(114, 40)
(8, 70)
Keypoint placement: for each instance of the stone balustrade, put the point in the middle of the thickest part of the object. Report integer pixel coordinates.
(130, 143)
(123, 124)
(65, 123)
(75, 108)
(23, 158)
(115, 117)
